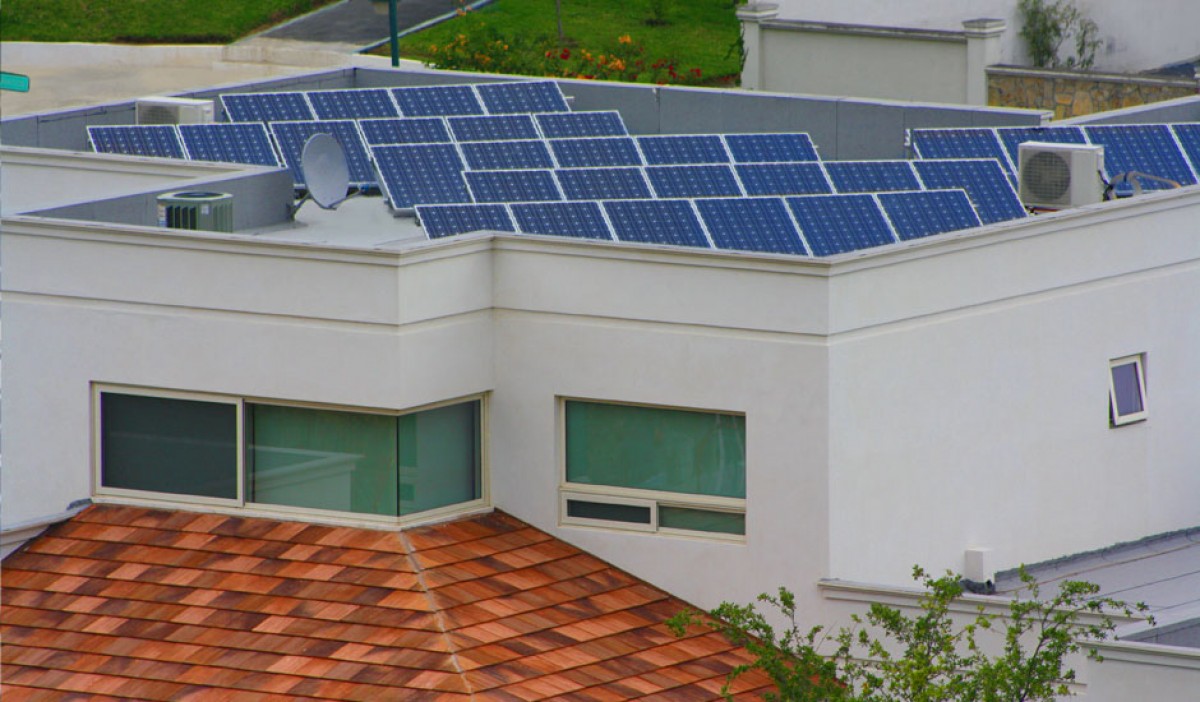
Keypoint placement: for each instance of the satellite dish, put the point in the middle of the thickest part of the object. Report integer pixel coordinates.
(323, 163)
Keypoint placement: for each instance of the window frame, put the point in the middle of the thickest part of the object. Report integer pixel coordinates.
(1115, 417)
(655, 499)
(241, 505)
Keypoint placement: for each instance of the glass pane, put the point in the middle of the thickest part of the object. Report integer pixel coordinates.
(701, 520)
(439, 457)
(183, 447)
(611, 512)
(1127, 389)
(323, 459)
(699, 453)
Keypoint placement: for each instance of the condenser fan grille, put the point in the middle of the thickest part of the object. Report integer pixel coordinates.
(1047, 176)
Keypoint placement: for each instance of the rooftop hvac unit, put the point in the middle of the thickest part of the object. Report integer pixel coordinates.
(1057, 176)
(194, 209)
(172, 110)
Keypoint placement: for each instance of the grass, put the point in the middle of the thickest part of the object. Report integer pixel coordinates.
(144, 21)
(699, 37)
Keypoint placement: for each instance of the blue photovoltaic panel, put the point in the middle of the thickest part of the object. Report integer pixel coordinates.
(493, 128)
(594, 152)
(416, 174)
(512, 186)
(267, 107)
(405, 130)
(1013, 137)
(783, 179)
(359, 103)
(1147, 148)
(681, 150)
(235, 142)
(525, 97)
(437, 101)
(562, 125)
(871, 176)
(583, 220)
(957, 143)
(1189, 137)
(919, 214)
(987, 185)
(603, 183)
(751, 224)
(141, 140)
(493, 155)
(833, 224)
(448, 220)
(768, 148)
(292, 136)
(671, 222)
(693, 181)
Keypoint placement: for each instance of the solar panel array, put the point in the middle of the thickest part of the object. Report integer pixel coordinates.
(1165, 150)
(144, 140)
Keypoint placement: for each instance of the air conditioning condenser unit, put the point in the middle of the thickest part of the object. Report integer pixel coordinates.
(1058, 176)
(173, 110)
(194, 209)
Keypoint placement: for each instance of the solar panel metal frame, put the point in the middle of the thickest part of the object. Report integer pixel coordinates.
(352, 103)
(604, 183)
(733, 226)
(518, 154)
(657, 222)
(508, 186)
(465, 128)
(1159, 153)
(683, 149)
(959, 143)
(463, 100)
(265, 107)
(523, 97)
(847, 177)
(952, 203)
(694, 180)
(409, 129)
(202, 147)
(1187, 135)
(479, 217)
(757, 178)
(587, 152)
(429, 175)
(565, 125)
(523, 213)
(978, 186)
(778, 147)
(362, 174)
(826, 219)
(154, 140)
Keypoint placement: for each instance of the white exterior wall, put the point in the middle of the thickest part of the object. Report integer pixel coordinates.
(1136, 35)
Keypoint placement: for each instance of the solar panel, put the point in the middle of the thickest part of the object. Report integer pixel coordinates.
(1189, 138)
(1147, 148)
(603, 183)
(958, 143)
(561, 125)
(833, 224)
(693, 181)
(352, 104)
(448, 220)
(267, 107)
(671, 222)
(871, 176)
(597, 151)
(437, 100)
(512, 186)
(493, 128)
(491, 155)
(751, 224)
(524, 97)
(685, 149)
(988, 187)
(918, 214)
(584, 220)
(405, 130)
(783, 178)
(142, 140)
(1013, 137)
(414, 174)
(291, 137)
(235, 142)
(765, 148)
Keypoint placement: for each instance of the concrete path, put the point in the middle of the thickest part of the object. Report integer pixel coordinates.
(359, 22)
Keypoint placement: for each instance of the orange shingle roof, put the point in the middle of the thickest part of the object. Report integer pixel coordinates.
(132, 603)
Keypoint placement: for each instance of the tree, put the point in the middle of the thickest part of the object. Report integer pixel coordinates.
(1046, 24)
(891, 656)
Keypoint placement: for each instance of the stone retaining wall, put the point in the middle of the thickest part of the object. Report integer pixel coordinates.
(1072, 94)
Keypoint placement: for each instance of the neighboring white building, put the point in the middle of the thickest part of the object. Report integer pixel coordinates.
(846, 417)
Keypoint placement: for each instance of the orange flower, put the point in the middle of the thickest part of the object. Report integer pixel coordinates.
(625, 39)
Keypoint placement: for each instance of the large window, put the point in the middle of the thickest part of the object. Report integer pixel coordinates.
(365, 463)
(654, 469)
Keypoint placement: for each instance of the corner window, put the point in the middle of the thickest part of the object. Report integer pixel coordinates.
(1126, 390)
(265, 454)
(654, 469)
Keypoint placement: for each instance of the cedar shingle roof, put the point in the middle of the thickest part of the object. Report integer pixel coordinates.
(132, 603)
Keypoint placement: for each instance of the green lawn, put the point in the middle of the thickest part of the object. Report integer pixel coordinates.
(144, 21)
(700, 38)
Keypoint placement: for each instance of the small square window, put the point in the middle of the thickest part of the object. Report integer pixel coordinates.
(1126, 390)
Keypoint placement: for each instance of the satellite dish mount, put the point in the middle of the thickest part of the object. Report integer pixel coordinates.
(326, 173)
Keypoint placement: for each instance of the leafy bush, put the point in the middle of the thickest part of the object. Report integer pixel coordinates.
(1045, 25)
